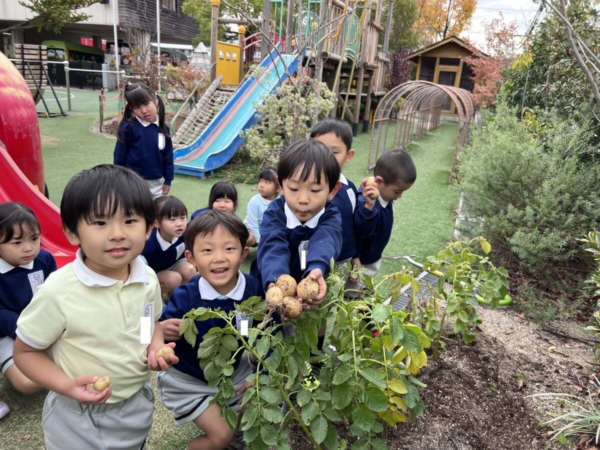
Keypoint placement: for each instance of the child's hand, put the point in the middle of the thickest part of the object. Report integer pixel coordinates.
(80, 389)
(356, 264)
(366, 192)
(316, 275)
(165, 189)
(159, 364)
(241, 390)
(170, 329)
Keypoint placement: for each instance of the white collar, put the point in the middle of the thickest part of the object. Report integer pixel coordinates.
(143, 122)
(164, 244)
(265, 201)
(6, 267)
(207, 292)
(343, 179)
(293, 222)
(137, 273)
(383, 202)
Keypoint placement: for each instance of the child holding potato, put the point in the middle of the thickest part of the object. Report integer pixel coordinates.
(216, 245)
(394, 173)
(95, 317)
(302, 230)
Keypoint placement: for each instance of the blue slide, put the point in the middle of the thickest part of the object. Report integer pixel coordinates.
(221, 139)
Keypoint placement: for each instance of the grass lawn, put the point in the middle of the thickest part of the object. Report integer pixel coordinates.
(423, 224)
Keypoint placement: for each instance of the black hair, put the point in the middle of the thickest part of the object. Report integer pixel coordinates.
(101, 191)
(223, 189)
(336, 126)
(396, 165)
(209, 221)
(14, 214)
(168, 206)
(312, 156)
(269, 174)
(136, 95)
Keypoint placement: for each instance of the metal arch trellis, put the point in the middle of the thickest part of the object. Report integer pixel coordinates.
(418, 106)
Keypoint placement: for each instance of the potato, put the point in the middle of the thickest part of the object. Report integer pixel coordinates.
(292, 308)
(274, 297)
(287, 284)
(308, 289)
(101, 383)
(371, 182)
(166, 352)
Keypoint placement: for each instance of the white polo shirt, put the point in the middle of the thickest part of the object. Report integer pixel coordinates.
(90, 324)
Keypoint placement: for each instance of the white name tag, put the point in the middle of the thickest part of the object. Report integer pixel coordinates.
(180, 250)
(243, 323)
(161, 141)
(302, 252)
(145, 330)
(35, 279)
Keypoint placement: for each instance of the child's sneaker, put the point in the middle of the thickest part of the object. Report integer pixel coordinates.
(4, 409)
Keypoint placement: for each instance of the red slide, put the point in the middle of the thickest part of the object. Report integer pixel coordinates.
(21, 164)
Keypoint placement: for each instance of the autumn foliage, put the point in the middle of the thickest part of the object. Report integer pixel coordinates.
(439, 19)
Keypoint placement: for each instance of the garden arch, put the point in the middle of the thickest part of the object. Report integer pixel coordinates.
(411, 110)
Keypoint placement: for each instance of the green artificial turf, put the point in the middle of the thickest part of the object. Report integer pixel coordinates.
(423, 224)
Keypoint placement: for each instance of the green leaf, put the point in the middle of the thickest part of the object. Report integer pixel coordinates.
(342, 374)
(331, 440)
(396, 329)
(303, 397)
(251, 433)
(485, 246)
(270, 395)
(319, 428)
(377, 428)
(463, 316)
(414, 284)
(321, 395)
(252, 335)
(249, 418)
(269, 434)
(227, 370)
(381, 313)
(468, 337)
(205, 352)
(292, 368)
(361, 444)
(229, 342)
(262, 346)
(345, 357)
(273, 361)
(332, 414)
(410, 341)
(272, 414)
(378, 444)
(375, 399)
(363, 417)
(230, 417)
(310, 411)
(398, 386)
(342, 395)
(373, 376)
(356, 430)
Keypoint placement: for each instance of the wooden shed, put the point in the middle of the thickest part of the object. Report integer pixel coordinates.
(441, 63)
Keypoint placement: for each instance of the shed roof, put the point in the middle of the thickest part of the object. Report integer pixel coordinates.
(451, 39)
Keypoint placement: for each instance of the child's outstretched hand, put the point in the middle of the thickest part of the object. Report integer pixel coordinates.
(157, 364)
(316, 275)
(81, 389)
(366, 192)
(170, 329)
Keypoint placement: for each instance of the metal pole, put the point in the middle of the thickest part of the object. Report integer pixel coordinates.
(158, 39)
(289, 27)
(114, 11)
(266, 28)
(214, 36)
(68, 85)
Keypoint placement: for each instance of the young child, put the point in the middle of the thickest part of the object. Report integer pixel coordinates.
(215, 244)
(223, 197)
(144, 144)
(164, 250)
(394, 173)
(337, 135)
(23, 267)
(268, 190)
(301, 231)
(94, 317)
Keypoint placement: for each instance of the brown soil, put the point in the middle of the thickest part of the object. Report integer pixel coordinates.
(477, 395)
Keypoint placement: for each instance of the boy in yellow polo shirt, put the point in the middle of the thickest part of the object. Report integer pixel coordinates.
(97, 317)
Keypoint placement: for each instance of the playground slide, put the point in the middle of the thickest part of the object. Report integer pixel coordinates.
(221, 139)
(15, 187)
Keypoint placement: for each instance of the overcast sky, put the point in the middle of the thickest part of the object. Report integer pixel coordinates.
(521, 11)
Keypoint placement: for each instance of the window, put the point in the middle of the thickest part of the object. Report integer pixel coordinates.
(449, 61)
(466, 80)
(170, 4)
(427, 68)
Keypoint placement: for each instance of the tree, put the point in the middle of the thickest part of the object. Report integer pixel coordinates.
(439, 19)
(489, 69)
(403, 40)
(201, 10)
(53, 15)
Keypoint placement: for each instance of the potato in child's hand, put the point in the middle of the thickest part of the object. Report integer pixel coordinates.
(287, 284)
(308, 289)
(274, 297)
(102, 383)
(165, 353)
(371, 182)
(292, 308)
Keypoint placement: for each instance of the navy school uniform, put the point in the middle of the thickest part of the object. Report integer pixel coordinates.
(198, 211)
(282, 234)
(17, 286)
(139, 149)
(377, 231)
(199, 293)
(160, 254)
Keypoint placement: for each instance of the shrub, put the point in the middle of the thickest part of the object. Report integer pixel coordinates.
(535, 194)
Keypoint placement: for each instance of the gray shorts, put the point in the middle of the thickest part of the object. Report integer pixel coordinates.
(124, 425)
(187, 397)
(6, 351)
(372, 269)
